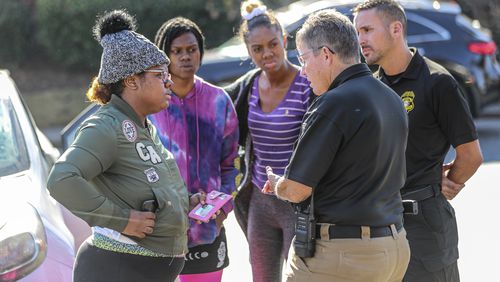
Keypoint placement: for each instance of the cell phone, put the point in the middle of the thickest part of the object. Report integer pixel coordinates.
(214, 202)
(149, 206)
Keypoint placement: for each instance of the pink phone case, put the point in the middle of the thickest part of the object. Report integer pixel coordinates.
(214, 201)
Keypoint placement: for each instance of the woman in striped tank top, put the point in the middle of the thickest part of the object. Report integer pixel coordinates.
(270, 102)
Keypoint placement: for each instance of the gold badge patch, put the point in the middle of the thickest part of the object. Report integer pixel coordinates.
(407, 98)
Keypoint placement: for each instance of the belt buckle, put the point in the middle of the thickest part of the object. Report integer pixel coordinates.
(410, 207)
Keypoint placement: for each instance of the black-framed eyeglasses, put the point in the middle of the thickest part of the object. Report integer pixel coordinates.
(165, 75)
(300, 57)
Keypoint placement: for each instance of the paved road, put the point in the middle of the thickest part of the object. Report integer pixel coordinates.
(476, 210)
(488, 128)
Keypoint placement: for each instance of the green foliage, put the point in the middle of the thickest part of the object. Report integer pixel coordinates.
(58, 32)
(16, 31)
(64, 26)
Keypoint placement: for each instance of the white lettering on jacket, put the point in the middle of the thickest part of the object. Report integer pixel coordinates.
(147, 153)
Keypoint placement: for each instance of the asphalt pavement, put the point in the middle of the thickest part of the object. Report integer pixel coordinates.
(475, 209)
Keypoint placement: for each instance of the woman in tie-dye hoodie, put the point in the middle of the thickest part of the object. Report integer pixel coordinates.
(200, 128)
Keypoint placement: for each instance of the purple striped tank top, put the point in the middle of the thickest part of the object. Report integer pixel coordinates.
(274, 133)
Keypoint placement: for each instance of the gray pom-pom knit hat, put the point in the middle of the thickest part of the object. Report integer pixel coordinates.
(125, 52)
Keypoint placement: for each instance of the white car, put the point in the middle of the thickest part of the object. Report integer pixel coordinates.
(35, 241)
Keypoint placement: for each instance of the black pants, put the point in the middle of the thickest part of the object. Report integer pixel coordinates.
(446, 274)
(95, 265)
(433, 238)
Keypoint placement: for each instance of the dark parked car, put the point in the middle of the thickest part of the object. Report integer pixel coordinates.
(439, 30)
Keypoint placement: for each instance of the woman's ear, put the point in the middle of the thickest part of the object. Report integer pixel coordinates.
(131, 82)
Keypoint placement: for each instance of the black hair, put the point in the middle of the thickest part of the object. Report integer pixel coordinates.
(266, 19)
(113, 22)
(174, 28)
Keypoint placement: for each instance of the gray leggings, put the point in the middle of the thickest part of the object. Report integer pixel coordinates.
(270, 231)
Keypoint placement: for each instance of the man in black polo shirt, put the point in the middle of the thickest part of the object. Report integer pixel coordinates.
(438, 116)
(350, 155)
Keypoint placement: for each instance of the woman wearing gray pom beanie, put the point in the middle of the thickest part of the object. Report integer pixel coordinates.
(116, 175)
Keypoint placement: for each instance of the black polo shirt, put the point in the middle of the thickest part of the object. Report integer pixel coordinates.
(351, 151)
(438, 116)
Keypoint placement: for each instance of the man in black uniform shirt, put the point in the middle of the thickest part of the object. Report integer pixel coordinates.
(438, 116)
(350, 155)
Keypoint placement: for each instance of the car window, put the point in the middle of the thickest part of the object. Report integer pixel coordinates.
(415, 28)
(472, 27)
(13, 151)
(69, 132)
(290, 22)
(422, 29)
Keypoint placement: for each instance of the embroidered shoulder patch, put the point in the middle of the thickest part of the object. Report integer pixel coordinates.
(152, 175)
(407, 99)
(129, 130)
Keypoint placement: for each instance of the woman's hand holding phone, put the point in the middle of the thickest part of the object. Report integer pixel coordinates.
(210, 207)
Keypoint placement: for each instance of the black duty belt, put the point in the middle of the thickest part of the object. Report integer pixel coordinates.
(350, 232)
(422, 193)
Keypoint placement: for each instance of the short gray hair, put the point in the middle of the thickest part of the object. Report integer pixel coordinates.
(331, 29)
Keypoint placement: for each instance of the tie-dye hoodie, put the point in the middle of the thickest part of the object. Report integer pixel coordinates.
(201, 131)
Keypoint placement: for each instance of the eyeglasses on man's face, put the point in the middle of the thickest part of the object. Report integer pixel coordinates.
(165, 75)
(300, 57)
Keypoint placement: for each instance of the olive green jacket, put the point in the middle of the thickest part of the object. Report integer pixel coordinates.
(116, 163)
